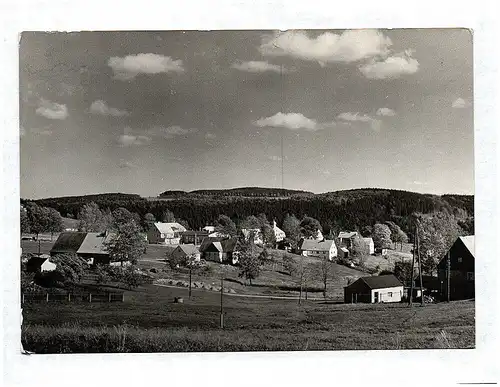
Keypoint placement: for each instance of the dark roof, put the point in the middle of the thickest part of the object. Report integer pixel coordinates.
(68, 242)
(380, 281)
(228, 245)
(208, 240)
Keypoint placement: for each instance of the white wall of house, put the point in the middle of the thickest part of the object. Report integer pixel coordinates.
(48, 266)
(393, 294)
(330, 254)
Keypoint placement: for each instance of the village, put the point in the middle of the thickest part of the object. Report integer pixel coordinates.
(228, 267)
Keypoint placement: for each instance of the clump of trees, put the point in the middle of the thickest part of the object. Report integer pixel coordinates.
(37, 219)
(310, 227)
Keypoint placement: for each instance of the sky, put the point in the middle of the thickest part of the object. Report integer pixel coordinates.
(145, 112)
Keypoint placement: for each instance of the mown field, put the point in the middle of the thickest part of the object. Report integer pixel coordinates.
(149, 321)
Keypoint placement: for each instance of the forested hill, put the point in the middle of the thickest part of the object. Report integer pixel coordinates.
(342, 209)
(241, 192)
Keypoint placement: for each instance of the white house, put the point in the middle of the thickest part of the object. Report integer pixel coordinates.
(324, 249)
(165, 233)
(374, 289)
(279, 234)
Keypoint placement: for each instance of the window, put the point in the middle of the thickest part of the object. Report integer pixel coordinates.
(390, 294)
(470, 276)
(459, 259)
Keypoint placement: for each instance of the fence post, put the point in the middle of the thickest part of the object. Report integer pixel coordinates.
(109, 297)
(47, 297)
(90, 297)
(123, 297)
(69, 296)
(22, 299)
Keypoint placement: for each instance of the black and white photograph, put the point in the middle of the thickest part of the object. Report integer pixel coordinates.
(246, 190)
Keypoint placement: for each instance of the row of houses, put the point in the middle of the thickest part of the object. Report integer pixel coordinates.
(174, 233)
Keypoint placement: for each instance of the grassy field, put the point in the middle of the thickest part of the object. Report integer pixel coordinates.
(149, 321)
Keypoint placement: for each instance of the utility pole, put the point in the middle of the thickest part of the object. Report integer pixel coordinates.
(39, 247)
(448, 275)
(190, 271)
(221, 304)
(420, 270)
(410, 297)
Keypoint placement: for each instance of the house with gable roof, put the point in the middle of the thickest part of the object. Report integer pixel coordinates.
(89, 245)
(165, 233)
(462, 263)
(374, 289)
(320, 249)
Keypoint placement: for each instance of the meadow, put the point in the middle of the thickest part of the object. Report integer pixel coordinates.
(149, 321)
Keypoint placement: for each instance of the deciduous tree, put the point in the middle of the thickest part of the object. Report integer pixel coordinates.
(381, 236)
(248, 259)
(127, 244)
(90, 218)
(291, 227)
(224, 225)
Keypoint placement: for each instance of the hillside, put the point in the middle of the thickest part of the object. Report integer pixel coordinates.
(239, 192)
(348, 209)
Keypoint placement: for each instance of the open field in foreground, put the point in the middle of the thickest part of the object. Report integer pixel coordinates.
(148, 321)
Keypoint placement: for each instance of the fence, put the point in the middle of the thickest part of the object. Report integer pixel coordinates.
(72, 297)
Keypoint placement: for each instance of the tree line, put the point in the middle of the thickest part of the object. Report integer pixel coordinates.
(344, 210)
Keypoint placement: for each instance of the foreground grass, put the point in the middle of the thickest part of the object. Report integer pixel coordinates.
(149, 322)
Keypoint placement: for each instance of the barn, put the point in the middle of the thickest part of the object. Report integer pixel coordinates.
(374, 289)
(89, 245)
(462, 260)
(183, 252)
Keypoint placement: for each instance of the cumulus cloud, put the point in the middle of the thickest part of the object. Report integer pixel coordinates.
(130, 66)
(210, 136)
(349, 46)
(257, 67)
(126, 140)
(460, 103)
(292, 121)
(391, 67)
(357, 117)
(101, 107)
(386, 112)
(52, 110)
